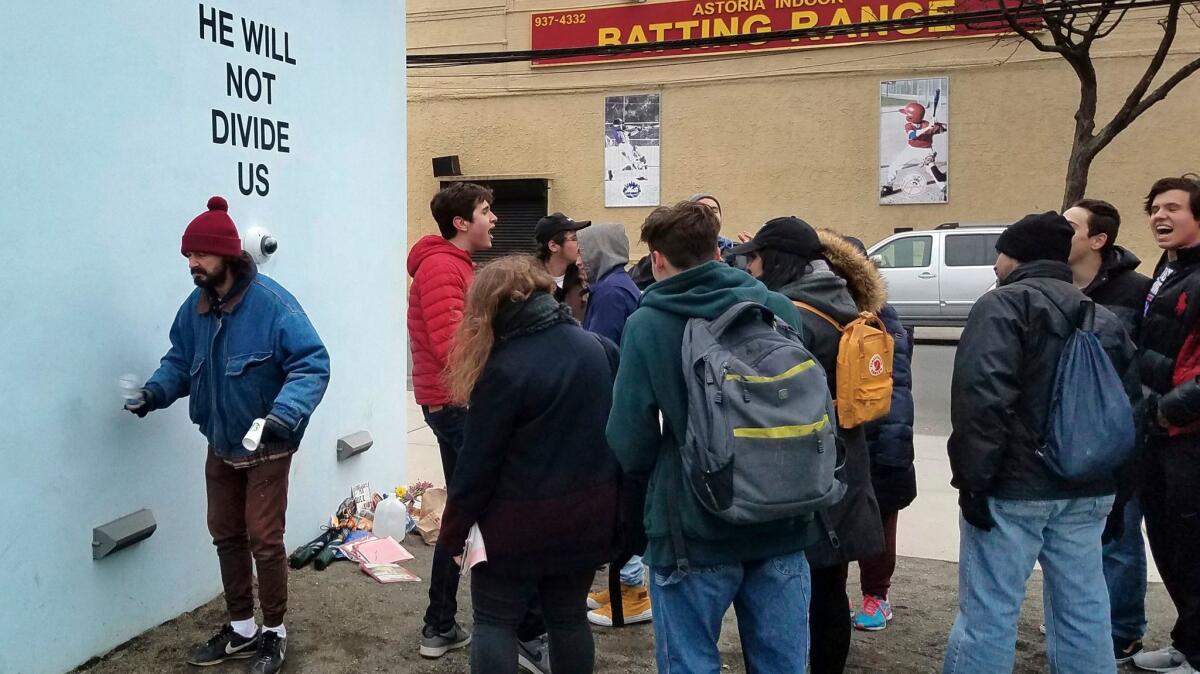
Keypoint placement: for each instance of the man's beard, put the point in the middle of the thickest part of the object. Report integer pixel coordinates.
(214, 280)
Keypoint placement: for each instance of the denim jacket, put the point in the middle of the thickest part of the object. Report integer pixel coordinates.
(257, 354)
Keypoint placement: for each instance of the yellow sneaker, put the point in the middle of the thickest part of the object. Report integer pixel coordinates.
(598, 599)
(635, 603)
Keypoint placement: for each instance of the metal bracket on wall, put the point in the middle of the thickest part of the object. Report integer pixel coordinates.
(122, 533)
(355, 443)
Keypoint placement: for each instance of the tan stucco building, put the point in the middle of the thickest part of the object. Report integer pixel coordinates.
(793, 132)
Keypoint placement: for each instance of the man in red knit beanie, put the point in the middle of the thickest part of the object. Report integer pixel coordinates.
(246, 354)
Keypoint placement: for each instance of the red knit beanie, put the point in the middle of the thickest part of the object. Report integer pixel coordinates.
(213, 232)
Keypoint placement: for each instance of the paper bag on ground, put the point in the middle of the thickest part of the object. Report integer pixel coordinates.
(429, 524)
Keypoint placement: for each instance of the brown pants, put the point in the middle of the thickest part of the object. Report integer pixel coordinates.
(246, 511)
(875, 573)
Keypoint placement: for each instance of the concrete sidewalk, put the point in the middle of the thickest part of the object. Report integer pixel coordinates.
(929, 527)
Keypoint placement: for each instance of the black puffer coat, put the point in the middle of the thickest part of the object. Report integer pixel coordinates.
(842, 287)
(890, 439)
(1004, 373)
(1169, 347)
(1120, 288)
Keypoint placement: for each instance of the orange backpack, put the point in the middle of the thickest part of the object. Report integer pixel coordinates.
(864, 368)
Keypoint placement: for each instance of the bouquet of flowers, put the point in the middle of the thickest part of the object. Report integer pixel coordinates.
(411, 495)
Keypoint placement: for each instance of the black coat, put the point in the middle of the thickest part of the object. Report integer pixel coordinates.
(1120, 288)
(1004, 372)
(890, 439)
(848, 285)
(1169, 345)
(535, 470)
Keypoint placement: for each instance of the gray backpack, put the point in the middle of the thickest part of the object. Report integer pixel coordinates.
(761, 440)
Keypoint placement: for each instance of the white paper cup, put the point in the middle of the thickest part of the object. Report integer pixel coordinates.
(254, 435)
(131, 389)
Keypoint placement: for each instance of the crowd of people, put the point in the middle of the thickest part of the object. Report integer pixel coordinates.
(568, 393)
(602, 474)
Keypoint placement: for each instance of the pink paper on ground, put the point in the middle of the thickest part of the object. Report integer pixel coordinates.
(382, 551)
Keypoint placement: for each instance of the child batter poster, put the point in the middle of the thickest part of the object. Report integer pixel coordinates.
(632, 150)
(914, 148)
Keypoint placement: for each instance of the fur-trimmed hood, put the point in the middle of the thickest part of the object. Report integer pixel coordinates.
(863, 280)
(843, 283)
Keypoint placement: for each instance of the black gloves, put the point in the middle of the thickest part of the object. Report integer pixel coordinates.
(1114, 526)
(274, 430)
(145, 404)
(975, 510)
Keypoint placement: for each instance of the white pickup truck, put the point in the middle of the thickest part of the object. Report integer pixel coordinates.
(935, 276)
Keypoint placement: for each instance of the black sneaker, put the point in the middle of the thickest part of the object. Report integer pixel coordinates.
(225, 645)
(534, 656)
(269, 658)
(1125, 649)
(435, 644)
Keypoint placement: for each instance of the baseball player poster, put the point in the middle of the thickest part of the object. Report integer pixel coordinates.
(914, 147)
(631, 150)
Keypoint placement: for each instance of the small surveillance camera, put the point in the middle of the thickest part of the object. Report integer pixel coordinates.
(260, 244)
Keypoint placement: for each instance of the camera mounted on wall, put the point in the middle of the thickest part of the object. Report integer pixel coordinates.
(259, 243)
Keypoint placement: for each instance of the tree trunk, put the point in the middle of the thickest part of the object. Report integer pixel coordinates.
(1084, 147)
(1083, 153)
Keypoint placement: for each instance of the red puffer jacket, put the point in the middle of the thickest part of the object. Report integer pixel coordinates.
(441, 274)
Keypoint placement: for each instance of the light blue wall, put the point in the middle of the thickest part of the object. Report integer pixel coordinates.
(105, 156)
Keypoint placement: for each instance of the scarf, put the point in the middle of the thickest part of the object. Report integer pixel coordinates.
(539, 312)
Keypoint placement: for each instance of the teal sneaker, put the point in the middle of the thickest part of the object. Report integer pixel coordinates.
(875, 614)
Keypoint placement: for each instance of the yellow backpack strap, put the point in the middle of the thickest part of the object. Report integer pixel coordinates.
(811, 309)
(870, 317)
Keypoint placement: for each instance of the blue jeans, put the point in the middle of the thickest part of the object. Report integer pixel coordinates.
(770, 597)
(1125, 574)
(633, 574)
(1064, 535)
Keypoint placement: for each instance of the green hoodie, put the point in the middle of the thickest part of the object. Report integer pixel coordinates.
(649, 382)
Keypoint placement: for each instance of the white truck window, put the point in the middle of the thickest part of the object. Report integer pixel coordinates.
(908, 252)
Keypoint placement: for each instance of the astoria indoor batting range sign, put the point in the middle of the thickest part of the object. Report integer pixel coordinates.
(690, 19)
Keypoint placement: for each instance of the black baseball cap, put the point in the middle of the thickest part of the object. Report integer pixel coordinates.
(554, 223)
(788, 234)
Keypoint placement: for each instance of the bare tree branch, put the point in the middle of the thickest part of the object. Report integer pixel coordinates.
(1165, 88)
(1133, 100)
(1015, 24)
(1066, 22)
(1006, 59)
(1113, 26)
(1098, 23)
(1193, 13)
(1073, 27)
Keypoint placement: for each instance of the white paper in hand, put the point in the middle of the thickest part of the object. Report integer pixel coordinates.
(474, 551)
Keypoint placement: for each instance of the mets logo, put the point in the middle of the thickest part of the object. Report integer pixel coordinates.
(913, 183)
(632, 190)
(875, 365)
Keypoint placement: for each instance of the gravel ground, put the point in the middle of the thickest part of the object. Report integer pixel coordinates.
(341, 621)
